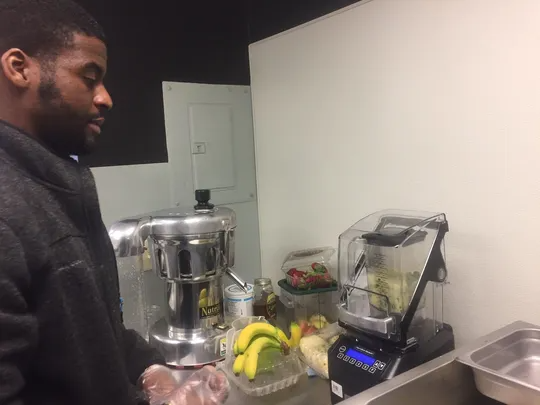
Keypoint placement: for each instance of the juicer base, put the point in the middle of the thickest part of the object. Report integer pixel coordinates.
(188, 349)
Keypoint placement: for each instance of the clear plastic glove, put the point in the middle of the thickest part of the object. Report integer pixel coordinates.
(158, 383)
(205, 387)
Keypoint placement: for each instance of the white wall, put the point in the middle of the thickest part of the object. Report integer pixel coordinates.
(418, 104)
(131, 190)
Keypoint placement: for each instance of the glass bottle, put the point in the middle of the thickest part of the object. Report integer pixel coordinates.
(264, 299)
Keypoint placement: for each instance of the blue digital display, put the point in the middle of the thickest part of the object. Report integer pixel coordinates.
(354, 354)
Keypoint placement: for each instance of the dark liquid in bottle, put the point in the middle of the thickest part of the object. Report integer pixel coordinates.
(260, 310)
(266, 306)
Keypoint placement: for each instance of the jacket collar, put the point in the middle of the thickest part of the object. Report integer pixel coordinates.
(35, 160)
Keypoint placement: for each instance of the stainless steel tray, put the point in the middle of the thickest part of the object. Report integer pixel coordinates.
(508, 369)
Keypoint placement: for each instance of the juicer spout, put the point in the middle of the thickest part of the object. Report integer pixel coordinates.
(128, 236)
(236, 278)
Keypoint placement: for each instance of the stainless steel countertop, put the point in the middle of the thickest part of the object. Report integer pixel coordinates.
(315, 391)
(391, 392)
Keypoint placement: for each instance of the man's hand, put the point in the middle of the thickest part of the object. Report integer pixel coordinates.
(158, 383)
(204, 387)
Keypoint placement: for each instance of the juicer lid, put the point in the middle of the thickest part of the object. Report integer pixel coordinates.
(202, 218)
(129, 235)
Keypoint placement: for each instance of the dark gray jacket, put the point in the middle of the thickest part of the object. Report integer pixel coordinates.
(62, 340)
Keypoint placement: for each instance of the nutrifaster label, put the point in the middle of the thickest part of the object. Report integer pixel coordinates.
(210, 311)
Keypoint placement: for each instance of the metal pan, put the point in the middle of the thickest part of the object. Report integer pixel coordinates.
(508, 369)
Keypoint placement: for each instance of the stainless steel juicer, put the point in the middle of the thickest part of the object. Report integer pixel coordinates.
(189, 250)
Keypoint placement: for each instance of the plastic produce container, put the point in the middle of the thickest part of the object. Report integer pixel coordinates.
(278, 373)
(313, 349)
(311, 309)
(310, 268)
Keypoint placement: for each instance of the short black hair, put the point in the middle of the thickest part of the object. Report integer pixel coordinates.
(42, 28)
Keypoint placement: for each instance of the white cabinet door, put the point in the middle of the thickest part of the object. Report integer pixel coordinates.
(210, 142)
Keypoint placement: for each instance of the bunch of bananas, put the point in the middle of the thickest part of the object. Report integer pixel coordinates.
(257, 339)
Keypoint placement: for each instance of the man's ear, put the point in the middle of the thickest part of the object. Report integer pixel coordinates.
(15, 65)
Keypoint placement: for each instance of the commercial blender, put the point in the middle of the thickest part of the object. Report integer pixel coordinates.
(392, 273)
(178, 305)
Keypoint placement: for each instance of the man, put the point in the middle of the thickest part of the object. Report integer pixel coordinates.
(61, 336)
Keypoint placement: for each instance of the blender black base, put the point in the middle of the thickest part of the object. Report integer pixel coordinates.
(355, 366)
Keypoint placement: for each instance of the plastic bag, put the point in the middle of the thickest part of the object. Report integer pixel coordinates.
(204, 387)
(158, 383)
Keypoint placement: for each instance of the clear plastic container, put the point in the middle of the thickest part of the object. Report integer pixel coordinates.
(392, 272)
(312, 310)
(285, 370)
(313, 350)
(310, 268)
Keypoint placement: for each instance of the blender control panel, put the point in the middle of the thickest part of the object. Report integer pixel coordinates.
(354, 368)
(361, 359)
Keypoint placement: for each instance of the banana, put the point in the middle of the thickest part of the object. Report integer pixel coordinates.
(252, 354)
(296, 335)
(238, 365)
(283, 337)
(261, 343)
(253, 330)
(235, 348)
